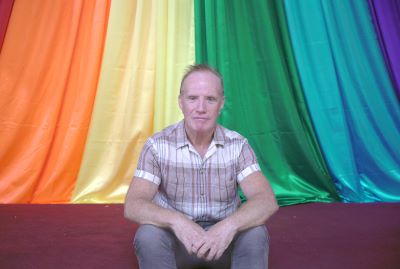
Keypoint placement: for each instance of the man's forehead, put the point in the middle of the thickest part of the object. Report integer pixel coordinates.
(202, 78)
(202, 74)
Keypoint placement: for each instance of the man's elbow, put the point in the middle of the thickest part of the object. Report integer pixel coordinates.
(274, 207)
(126, 212)
(269, 207)
(129, 211)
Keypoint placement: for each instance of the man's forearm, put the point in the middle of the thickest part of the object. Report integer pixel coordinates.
(146, 212)
(260, 206)
(140, 208)
(252, 213)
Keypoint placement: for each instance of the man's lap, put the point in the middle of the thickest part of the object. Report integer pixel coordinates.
(161, 243)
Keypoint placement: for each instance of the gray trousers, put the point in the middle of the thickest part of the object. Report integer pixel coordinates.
(159, 248)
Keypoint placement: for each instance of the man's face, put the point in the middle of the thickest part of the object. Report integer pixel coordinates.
(201, 100)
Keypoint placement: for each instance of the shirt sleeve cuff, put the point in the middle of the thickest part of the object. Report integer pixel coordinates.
(247, 171)
(148, 176)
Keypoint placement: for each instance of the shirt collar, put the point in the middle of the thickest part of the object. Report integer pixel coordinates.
(183, 140)
(219, 136)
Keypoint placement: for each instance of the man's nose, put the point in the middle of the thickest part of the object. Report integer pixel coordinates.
(201, 105)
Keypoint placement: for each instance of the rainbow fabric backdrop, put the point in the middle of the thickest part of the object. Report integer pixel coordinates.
(313, 84)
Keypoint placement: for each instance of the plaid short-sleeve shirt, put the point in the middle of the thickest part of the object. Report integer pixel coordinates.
(204, 189)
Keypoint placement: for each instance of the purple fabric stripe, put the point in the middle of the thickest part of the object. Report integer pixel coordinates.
(386, 15)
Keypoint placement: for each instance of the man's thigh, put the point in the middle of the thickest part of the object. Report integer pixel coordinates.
(155, 247)
(186, 261)
(158, 242)
(251, 245)
(151, 235)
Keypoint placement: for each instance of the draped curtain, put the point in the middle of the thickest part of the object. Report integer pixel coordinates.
(248, 43)
(351, 100)
(311, 84)
(48, 93)
(132, 94)
(175, 51)
(5, 13)
(386, 15)
(51, 52)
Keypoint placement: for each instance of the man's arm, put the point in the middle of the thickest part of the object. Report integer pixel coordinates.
(140, 208)
(261, 204)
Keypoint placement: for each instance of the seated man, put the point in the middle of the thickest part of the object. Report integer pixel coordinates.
(184, 193)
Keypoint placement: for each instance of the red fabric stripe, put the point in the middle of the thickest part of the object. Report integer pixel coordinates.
(5, 13)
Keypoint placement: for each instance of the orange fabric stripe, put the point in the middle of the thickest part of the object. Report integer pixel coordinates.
(49, 68)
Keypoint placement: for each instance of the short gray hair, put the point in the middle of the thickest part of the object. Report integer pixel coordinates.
(201, 67)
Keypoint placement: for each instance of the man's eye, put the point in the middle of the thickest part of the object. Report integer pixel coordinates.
(211, 99)
(192, 97)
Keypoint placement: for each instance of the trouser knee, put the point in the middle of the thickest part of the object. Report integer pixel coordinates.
(251, 245)
(150, 240)
(155, 247)
(255, 238)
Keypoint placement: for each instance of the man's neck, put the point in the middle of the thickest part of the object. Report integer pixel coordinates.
(200, 141)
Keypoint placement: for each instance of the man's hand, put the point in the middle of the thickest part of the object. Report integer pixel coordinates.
(189, 233)
(217, 240)
(261, 204)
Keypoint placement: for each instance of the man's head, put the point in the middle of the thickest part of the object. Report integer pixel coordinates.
(201, 99)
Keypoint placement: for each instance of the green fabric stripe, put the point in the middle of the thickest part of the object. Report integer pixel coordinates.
(248, 42)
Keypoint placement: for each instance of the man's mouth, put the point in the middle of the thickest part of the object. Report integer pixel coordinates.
(200, 118)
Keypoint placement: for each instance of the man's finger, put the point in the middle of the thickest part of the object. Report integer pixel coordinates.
(188, 247)
(202, 251)
(218, 254)
(211, 254)
(197, 245)
(194, 249)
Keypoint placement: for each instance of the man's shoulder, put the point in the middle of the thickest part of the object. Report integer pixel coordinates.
(231, 135)
(169, 134)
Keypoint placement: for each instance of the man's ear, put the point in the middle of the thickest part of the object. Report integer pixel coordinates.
(222, 105)
(180, 102)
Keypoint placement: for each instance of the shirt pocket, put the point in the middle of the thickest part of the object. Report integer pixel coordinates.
(224, 186)
(178, 183)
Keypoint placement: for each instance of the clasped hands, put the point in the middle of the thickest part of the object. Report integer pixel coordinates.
(206, 244)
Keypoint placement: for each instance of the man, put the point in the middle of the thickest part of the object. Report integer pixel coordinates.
(184, 192)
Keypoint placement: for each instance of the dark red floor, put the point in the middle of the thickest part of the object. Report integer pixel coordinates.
(97, 236)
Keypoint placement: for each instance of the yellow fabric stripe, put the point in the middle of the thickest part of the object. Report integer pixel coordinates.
(148, 43)
(175, 51)
(123, 113)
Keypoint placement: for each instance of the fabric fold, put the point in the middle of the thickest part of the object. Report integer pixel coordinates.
(51, 53)
(174, 52)
(386, 15)
(137, 87)
(349, 95)
(5, 13)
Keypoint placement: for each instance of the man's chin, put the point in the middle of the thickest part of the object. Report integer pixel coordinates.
(202, 127)
(204, 130)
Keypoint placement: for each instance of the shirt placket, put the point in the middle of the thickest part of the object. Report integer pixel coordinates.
(202, 172)
(202, 177)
